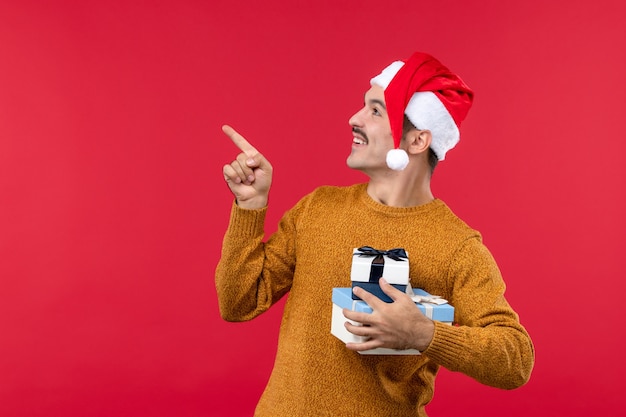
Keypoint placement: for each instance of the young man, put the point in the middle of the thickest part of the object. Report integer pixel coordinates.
(409, 121)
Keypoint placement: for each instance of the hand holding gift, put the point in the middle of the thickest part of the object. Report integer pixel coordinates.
(396, 325)
(385, 315)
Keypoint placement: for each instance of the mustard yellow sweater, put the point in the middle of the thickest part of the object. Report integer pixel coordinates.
(311, 252)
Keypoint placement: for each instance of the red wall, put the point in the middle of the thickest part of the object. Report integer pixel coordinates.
(113, 205)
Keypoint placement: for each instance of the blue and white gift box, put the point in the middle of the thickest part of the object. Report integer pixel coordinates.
(431, 306)
(369, 265)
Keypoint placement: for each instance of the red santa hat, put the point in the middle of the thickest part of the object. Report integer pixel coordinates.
(432, 97)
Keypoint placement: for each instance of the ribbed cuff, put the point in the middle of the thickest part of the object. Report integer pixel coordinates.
(249, 222)
(447, 344)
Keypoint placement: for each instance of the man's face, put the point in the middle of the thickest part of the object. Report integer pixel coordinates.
(372, 133)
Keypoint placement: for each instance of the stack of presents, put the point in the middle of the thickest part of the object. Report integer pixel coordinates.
(368, 266)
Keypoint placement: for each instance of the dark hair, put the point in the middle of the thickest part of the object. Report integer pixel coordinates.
(432, 157)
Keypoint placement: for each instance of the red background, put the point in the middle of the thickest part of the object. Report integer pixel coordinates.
(113, 204)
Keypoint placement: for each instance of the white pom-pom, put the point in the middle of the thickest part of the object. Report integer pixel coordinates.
(397, 159)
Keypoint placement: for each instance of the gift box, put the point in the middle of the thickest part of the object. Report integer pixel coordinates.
(369, 265)
(433, 307)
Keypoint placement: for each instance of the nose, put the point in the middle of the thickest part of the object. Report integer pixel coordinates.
(357, 119)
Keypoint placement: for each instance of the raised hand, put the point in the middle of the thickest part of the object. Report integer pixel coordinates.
(249, 176)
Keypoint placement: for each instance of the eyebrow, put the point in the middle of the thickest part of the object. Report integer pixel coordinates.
(379, 102)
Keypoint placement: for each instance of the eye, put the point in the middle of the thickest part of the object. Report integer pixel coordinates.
(375, 111)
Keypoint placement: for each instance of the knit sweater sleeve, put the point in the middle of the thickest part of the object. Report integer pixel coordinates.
(488, 343)
(251, 274)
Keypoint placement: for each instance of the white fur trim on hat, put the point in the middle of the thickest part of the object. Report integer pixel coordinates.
(384, 78)
(426, 112)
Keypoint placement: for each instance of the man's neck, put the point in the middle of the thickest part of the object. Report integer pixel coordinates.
(401, 191)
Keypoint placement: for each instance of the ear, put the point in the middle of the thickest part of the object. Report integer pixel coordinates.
(418, 141)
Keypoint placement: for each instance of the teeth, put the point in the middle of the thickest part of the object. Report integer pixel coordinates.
(358, 141)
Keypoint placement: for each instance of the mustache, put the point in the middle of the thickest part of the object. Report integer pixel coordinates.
(360, 133)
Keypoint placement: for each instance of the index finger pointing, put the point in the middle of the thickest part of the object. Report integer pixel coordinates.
(240, 141)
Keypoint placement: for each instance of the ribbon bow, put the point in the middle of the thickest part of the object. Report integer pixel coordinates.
(396, 254)
(424, 299)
